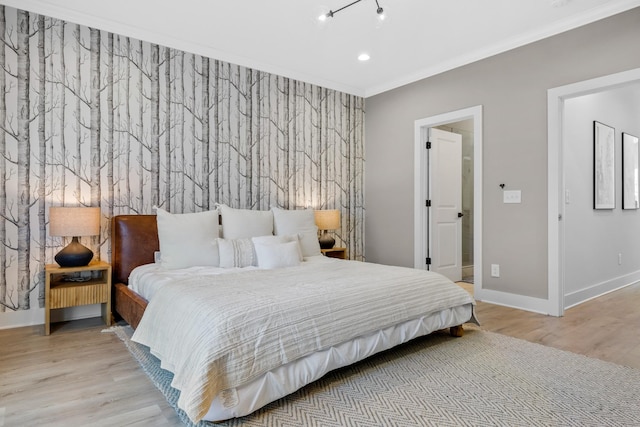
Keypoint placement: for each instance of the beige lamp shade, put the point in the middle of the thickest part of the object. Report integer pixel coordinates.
(328, 219)
(74, 221)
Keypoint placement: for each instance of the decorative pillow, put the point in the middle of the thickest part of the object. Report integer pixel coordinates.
(277, 255)
(274, 240)
(236, 253)
(245, 223)
(188, 240)
(300, 222)
(309, 244)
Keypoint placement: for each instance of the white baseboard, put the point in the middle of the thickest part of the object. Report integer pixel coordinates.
(536, 305)
(21, 318)
(35, 316)
(593, 291)
(542, 306)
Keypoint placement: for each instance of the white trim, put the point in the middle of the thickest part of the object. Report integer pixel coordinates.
(555, 233)
(536, 305)
(555, 179)
(21, 318)
(583, 295)
(421, 128)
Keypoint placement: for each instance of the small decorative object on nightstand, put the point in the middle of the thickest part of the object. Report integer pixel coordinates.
(340, 253)
(74, 286)
(327, 220)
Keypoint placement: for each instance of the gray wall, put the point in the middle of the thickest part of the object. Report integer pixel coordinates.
(512, 87)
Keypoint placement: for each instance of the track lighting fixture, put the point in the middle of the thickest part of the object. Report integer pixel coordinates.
(331, 13)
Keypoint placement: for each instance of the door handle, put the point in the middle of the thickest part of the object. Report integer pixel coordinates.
(460, 214)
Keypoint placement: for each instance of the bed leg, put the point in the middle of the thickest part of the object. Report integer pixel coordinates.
(456, 331)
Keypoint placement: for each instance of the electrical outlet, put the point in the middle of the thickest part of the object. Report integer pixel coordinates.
(495, 270)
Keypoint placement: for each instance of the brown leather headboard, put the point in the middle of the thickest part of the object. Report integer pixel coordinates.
(134, 240)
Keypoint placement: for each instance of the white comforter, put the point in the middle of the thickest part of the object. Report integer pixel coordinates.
(219, 332)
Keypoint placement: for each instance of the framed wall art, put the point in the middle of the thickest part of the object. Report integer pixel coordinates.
(604, 180)
(630, 182)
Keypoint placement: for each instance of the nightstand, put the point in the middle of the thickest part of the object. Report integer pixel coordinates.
(74, 286)
(340, 253)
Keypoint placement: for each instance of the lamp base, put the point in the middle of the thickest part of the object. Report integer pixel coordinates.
(326, 241)
(74, 255)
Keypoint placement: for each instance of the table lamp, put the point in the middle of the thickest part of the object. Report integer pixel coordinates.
(327, 220)
(74, 222)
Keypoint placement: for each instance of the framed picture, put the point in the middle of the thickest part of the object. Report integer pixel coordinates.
(630, 183)
(604, 179)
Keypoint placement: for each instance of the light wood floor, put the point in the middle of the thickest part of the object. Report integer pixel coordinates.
(78, 376)
(606, 328)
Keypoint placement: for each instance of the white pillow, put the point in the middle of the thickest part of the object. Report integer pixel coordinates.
(245, 223)
(284, 219)
(273, 240)
(309, 244)
(277, 255)
(188, 240)
(236, 253)
(300, 222)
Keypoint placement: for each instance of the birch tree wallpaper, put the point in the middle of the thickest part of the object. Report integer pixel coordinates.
(90, 118)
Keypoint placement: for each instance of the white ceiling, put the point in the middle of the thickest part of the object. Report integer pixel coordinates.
(420, 38)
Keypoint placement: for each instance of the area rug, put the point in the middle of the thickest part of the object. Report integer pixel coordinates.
(481, 379)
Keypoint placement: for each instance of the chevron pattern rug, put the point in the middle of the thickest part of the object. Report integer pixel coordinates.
(481, 379)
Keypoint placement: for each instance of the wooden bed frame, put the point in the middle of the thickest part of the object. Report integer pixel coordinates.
(134, 241)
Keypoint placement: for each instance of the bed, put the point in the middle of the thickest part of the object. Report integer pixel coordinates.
(258, 334)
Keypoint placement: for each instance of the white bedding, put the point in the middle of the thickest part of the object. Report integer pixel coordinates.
(245, 324)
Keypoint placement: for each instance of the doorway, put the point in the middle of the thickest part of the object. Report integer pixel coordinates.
(561, 197)
(467, 123)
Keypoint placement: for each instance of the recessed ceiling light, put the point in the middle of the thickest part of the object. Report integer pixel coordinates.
(364, 57)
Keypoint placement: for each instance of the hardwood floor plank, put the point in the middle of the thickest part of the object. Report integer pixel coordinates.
(75, 377)
(606, 328)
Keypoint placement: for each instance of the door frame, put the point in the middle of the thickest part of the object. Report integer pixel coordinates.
(421, 170)
(555, 176)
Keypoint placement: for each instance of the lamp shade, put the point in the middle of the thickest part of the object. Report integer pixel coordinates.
(328, 219)
(74, 221)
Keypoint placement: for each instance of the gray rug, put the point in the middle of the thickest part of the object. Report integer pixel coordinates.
(481, 379)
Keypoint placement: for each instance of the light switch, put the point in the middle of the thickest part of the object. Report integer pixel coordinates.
(512, 196)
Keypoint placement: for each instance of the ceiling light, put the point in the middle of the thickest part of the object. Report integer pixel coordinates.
(331, 13)
(380, 11)
(364, 57)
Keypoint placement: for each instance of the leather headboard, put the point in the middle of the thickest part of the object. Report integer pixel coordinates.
(134, 241)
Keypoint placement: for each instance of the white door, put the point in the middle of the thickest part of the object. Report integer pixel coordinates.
(445, 194)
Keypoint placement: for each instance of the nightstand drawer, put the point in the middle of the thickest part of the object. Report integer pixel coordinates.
(73, 294)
